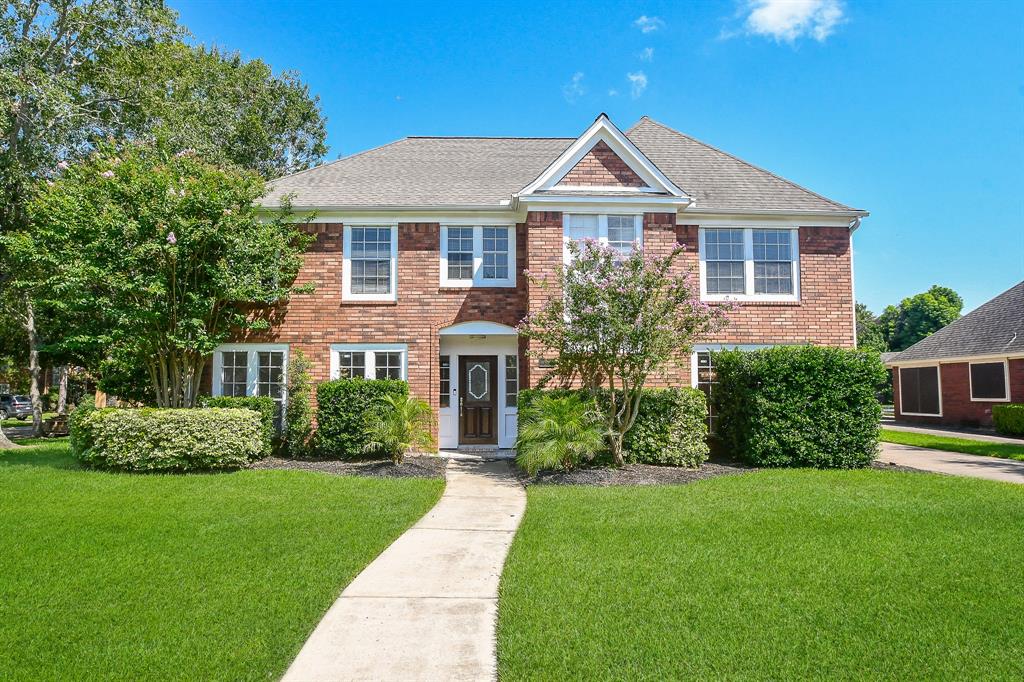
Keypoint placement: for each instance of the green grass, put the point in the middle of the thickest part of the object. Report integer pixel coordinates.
(784, 574)
(203, 576)
(965, 445)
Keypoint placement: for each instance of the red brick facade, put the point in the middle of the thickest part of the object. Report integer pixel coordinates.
(957, 407)
(602, 167)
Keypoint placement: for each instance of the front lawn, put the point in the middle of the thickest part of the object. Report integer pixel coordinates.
(782, 574)
(965, 445)
(205, 576)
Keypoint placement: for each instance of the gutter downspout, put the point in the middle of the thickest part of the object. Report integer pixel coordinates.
(854, 224)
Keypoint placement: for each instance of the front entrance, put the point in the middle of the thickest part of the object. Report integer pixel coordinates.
(478, 399)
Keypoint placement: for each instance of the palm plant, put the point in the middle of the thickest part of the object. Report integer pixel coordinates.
(559, 432)
(402, 423)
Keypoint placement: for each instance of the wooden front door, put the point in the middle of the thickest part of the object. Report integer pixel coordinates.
(478, 400)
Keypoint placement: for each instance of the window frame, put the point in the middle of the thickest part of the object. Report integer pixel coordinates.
(748, 264)
(371, 350)
(346, 267)
(602, 228)
(477, 280)
(1006, 381)
(252, 360)
(938, 379)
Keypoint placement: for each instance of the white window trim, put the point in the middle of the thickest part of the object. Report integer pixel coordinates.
(718, 347)
(748, 265)
(602, 228)
(371, 350)
(1006, 382)
(478, 259)
(346, 266)
(938, 378)
(252, 366)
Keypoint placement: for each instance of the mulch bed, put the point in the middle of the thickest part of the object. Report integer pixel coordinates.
(412, 467)
(886, 466)
(634, 474)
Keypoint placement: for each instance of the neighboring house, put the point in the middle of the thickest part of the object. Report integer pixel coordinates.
(421, 247)
(955, 375)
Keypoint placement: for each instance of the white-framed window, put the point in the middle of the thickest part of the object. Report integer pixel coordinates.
(990, 381)
(749, 263)
(511, 380)
(478, 256)
(619, 231)
(370, 268)
(253, 369)
(921, 391)
(369, 360)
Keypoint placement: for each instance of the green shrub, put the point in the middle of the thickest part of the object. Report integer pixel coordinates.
(671, 427)
(1009, 419)
(262, 405)
(402, 424)
(81, 433)
(298, 426)
(799, 405)
(559, 431)
(344, 409)
(155, 439)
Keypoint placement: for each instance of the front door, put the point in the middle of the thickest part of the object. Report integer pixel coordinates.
(478, 400)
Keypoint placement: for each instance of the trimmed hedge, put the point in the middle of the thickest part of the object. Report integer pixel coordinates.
(159, 439)
(262, 405)
(1009, 419)
(80, 438)
(799, 406)
(343, 408)
(671, 427)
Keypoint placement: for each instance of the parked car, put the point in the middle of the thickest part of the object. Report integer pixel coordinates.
(17, 406)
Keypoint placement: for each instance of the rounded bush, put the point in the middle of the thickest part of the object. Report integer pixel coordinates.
(156, 439)
(1009, 419)
(344, 407)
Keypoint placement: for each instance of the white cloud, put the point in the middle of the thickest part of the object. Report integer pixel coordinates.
(637, 83)
(647, 24)
(787, 20)
(647, 54)
(613, 93)
(574, 89)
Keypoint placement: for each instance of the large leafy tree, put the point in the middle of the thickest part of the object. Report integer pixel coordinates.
(869, 331)
(614, 321)
(167, 254)
(919, 316)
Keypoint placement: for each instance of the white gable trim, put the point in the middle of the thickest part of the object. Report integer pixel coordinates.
(603, 130)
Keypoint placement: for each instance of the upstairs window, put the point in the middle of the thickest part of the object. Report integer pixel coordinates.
(369, 361)
(749, 264)
(478, 256)
(620, 232)
(370, 265)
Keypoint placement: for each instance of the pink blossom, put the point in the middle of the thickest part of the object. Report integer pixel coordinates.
(171, 239)
(107, 174)
(63, 165)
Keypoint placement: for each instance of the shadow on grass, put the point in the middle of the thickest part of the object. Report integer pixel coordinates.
(40, 452)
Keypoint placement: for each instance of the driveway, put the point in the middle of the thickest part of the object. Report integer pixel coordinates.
(955, 463)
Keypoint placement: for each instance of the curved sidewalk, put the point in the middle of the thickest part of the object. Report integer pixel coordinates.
(426, 608)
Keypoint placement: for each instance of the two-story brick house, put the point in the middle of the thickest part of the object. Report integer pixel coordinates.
(421, 245)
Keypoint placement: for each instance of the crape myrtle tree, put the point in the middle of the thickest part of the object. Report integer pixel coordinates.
(166, 252)
(615, 320)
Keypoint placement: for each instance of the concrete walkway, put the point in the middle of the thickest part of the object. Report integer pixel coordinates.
(426, 608)
(952, 433)
(955, 463)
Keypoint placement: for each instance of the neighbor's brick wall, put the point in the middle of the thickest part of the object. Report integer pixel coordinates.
(602, 167)
(957, 407)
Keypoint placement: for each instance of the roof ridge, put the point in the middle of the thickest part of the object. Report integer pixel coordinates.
(339, 159)
(738, 159)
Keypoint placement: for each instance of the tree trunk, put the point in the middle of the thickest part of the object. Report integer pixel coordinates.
(62, 392)
(5, 442)
(101, 399)
(34, 370)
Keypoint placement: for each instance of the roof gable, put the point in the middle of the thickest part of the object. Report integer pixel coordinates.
(602, 167)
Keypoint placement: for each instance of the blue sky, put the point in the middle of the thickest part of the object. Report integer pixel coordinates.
(911, 110)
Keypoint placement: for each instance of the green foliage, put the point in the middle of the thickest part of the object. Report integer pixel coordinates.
(264, 406)
(612, 320)
(560, 431)
(401, 424)
(157, 258)
(344, 408)
(299, 415)
(155, 439)
(670, 427)
(78, 423)
(919, 316)
(869, 330)
(799, 405)
(1009, 419)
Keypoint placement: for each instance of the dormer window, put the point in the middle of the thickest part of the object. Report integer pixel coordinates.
(478, 256)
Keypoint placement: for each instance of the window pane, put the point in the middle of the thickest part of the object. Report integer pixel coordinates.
(388, 365)
(234, 373)
(460, 253)
(773, 267)
(723, 244)
(919, 390)
(511, 380)
(495, 254)
(446, 377)
(706, 381)
(988, 381)
(270, 381)
(582, 227)
(622, 233)
(725, 277)
(370, 260)
(773, 278)
(351, 364)
(772, 245)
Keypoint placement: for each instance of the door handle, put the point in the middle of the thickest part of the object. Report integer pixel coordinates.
(460, 405)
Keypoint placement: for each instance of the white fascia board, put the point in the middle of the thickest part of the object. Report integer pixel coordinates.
(448, 216)
(577, 204)
(932, 362)
(602, 129)
(690, 217)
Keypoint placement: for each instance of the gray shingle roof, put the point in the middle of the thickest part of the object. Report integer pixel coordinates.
(485, 172)
(995, 328)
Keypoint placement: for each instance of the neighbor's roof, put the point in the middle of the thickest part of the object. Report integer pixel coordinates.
(995, 328)
(487, 171)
